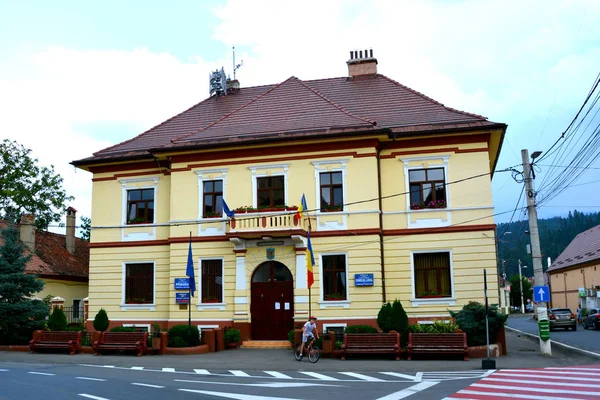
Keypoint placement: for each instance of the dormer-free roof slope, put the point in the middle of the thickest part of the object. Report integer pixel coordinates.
(584, 248)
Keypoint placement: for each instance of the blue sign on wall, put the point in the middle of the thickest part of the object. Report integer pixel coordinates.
(182, 283)
(541, 294)
(182, 298)
(363, 279)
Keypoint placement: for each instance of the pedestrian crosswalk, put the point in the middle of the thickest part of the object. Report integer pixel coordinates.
(321, 376)
(556, 383)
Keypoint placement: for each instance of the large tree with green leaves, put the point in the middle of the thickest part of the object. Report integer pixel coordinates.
(20, 314)
(26, 187)
(85, 228)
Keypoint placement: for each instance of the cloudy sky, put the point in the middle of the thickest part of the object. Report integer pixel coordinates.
(76, 77)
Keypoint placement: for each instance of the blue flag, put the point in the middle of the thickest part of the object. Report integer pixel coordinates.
(226, 209)
(190, 269)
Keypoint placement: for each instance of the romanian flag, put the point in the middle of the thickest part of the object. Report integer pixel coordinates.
(310, 262)
(302, 208)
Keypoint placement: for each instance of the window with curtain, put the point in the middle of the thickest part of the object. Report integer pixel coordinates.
(212, 281)
(212, 198)
(331, 191)
(139, 283)
(334, 278)
(140, 206)
(432, 275)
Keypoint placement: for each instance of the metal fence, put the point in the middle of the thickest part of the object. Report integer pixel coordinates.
(86, 339)
(74, 315)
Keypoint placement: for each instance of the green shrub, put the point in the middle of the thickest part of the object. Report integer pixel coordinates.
(232, 335)
(75, 328)
(384, 317)
(471, 320)
(101, 321)
(436, 327)
(188, 334)
(291, 336)
(360, 329)
(57, 320)
(392, 317)
(123, 329)
(338, 344)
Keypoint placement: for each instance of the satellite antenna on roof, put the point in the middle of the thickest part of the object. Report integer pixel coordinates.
(236, 67)
(218, 82)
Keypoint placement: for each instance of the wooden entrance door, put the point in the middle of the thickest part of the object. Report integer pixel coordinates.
(272, 301)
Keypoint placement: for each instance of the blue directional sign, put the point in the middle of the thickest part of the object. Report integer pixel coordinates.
(541, 294)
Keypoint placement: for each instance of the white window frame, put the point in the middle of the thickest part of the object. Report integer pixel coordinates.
(451, 301)
(434, 222)
(80, 309)
(341, 303)
(127, 232)
(148, 307)
(330, 325)
(257, 174)
(211, 306)
(339, 165)
(205, 176)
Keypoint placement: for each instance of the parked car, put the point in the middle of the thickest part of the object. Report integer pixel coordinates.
(562, 318)
(593, 319)
(529, 308)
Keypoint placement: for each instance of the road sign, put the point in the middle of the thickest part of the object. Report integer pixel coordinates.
(541, 294)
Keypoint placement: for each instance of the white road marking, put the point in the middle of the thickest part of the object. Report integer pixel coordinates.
(41, 373)
(537, 390)
(278, 375)
(267, 384)
(235, 395)
(418, 377)
(90, 379)
(521, 376)
(542, 382)
(3, 370)
(237, 372)
(319, 376)
(520, 396)
(89, 396)
(546, 373)
(202, 371)
(168, 370)
(137, 368)
(398, 375)
(576, 369)
(409, 391)
(147, 385)
(363, 377)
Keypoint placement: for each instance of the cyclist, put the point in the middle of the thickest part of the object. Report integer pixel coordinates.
(307, 332)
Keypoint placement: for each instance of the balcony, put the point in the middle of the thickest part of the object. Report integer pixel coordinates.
(274, 224)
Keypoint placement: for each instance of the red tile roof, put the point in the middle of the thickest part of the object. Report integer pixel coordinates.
(296, 108)
(584, 248)
(52, 259)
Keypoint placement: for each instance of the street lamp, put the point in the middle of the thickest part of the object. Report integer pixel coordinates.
(521, 283)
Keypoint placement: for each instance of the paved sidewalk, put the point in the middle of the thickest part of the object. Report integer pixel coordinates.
(523, 352)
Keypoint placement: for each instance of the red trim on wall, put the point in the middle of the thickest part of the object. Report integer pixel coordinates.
(125, 175)
(240, 251)
(477, 150)
(404, 153)
(349, 232)
(438, 141)
(444, 229)
(121, 166)
(65, 278)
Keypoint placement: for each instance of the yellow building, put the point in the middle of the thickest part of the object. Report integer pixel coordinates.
(575, 274)
(398, 196)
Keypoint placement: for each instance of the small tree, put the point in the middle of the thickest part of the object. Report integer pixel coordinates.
(384, 318)
(392, 317)
(101, 321)
(57, 320)
(20, 313)
(471, 320)
(85, 228)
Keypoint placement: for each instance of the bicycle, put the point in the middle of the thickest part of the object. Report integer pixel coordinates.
(313, 351)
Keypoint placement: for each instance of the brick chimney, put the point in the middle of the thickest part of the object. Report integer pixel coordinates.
(362, 63)
(70, 237)
(27, 231)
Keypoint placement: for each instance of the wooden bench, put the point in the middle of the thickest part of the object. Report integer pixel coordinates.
(136, 341)
(438, 343)
(370, 343)
(70, 340)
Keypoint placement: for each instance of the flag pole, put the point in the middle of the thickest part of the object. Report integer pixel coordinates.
(309, 287)
(190, 294)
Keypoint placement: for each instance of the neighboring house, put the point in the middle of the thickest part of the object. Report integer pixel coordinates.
(61, 261)
(575, 274)
(398, 190)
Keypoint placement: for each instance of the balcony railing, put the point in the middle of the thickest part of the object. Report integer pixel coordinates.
(256, 222)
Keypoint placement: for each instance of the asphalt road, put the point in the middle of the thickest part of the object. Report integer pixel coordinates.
(581, 338)
(56, 381)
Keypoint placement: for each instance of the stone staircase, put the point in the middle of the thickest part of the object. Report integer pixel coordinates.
(266, 344)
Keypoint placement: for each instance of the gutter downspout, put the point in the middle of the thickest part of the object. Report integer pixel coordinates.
(381, 250)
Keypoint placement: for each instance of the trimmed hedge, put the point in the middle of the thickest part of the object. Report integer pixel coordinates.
(360, 329)
(184, 336)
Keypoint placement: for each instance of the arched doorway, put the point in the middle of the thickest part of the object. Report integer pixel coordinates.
(272, 301)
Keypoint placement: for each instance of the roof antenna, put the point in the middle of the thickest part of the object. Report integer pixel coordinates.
(236, 67)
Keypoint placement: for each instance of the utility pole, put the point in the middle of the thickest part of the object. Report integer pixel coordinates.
(522, 301)
(536, 253)
(506, 302)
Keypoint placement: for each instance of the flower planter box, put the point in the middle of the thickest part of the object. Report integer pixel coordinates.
(210, 301)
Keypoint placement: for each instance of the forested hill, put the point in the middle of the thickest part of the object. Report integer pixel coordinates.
(555, 235)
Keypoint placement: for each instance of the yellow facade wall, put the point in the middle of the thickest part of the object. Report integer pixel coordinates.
(68, 290)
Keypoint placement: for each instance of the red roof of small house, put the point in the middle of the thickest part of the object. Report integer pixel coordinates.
(584, 248)
(52, 259)
(296, 109)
